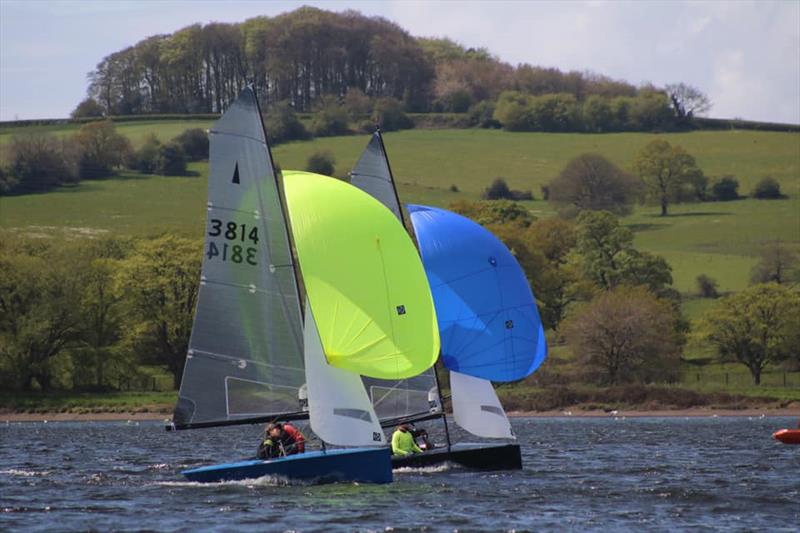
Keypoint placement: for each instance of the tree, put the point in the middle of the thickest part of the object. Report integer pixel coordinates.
(513, 111)
(8, 182)
(597, 114)
(554, 112)
(664, 170)
(767, 188)
(388, 113)
(590, 181)
(494, 212)
(194, 143)
(608, 258)
(100, 149)
(756, 327)
(40, 162)
(330, 119)
(778, 263)
(159, 282)
(687, 101)
(482, 115)
(101, 321)
(707, 286)
(145, 159)
(321, 163)
(649, 111)
(497, 190)
(283, 125)
(39, 313)
(88, 108)
(626, 334)
(558, 286)
(171, 159)
(725, 189)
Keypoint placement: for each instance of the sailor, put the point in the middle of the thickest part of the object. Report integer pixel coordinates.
(281, 440)
(403, 442)
(421, 438)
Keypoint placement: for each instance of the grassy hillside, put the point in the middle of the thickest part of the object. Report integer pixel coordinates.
(718, 239)
(472, 158)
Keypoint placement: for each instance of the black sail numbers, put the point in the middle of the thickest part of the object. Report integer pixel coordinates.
(234, 241)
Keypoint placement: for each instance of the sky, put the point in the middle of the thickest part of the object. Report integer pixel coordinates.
(744, 55)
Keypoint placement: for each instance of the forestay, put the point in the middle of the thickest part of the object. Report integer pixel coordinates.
(488, 320)
(420, 394)
(363, 279)
(245, 357)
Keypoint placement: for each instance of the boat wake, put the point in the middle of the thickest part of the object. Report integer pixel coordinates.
(264, 481)
(24, 473)
(443, 467)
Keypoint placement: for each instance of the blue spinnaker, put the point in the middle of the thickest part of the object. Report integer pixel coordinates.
(488, 321)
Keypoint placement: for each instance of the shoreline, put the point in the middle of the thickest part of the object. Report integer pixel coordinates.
(564, 413)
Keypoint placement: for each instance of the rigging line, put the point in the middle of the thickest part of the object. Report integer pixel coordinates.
(240, 135)
(216, 207)
(360, 175)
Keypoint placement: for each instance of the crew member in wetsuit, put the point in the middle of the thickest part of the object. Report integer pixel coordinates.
(280, 440)
(403, 442)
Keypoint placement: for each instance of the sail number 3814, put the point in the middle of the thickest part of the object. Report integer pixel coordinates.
(231, 231)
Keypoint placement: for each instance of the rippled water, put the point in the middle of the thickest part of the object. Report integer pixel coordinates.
(587, 474)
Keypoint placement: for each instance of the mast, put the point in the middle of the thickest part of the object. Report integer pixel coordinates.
(380, 183)
(282, 198)
(391, 176)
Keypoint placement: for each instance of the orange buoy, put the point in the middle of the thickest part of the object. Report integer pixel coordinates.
(788, 436)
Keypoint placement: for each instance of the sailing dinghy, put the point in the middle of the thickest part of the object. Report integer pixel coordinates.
(489, 325)
(254, 356)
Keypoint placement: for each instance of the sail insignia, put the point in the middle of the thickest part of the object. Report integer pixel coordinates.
(236, 174)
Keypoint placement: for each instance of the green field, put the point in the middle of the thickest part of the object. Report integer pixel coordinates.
(717, 239)
(720, 239)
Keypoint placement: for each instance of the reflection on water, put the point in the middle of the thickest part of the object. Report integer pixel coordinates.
(588, 474)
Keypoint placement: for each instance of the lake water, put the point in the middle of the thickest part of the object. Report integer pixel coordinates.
(579, 474)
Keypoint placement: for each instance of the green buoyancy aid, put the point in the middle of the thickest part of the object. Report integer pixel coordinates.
(403, 443)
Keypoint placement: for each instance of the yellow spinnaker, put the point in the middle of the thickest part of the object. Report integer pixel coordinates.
(363, 277)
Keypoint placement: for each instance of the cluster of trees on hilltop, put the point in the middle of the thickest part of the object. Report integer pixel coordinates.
(308, 54)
